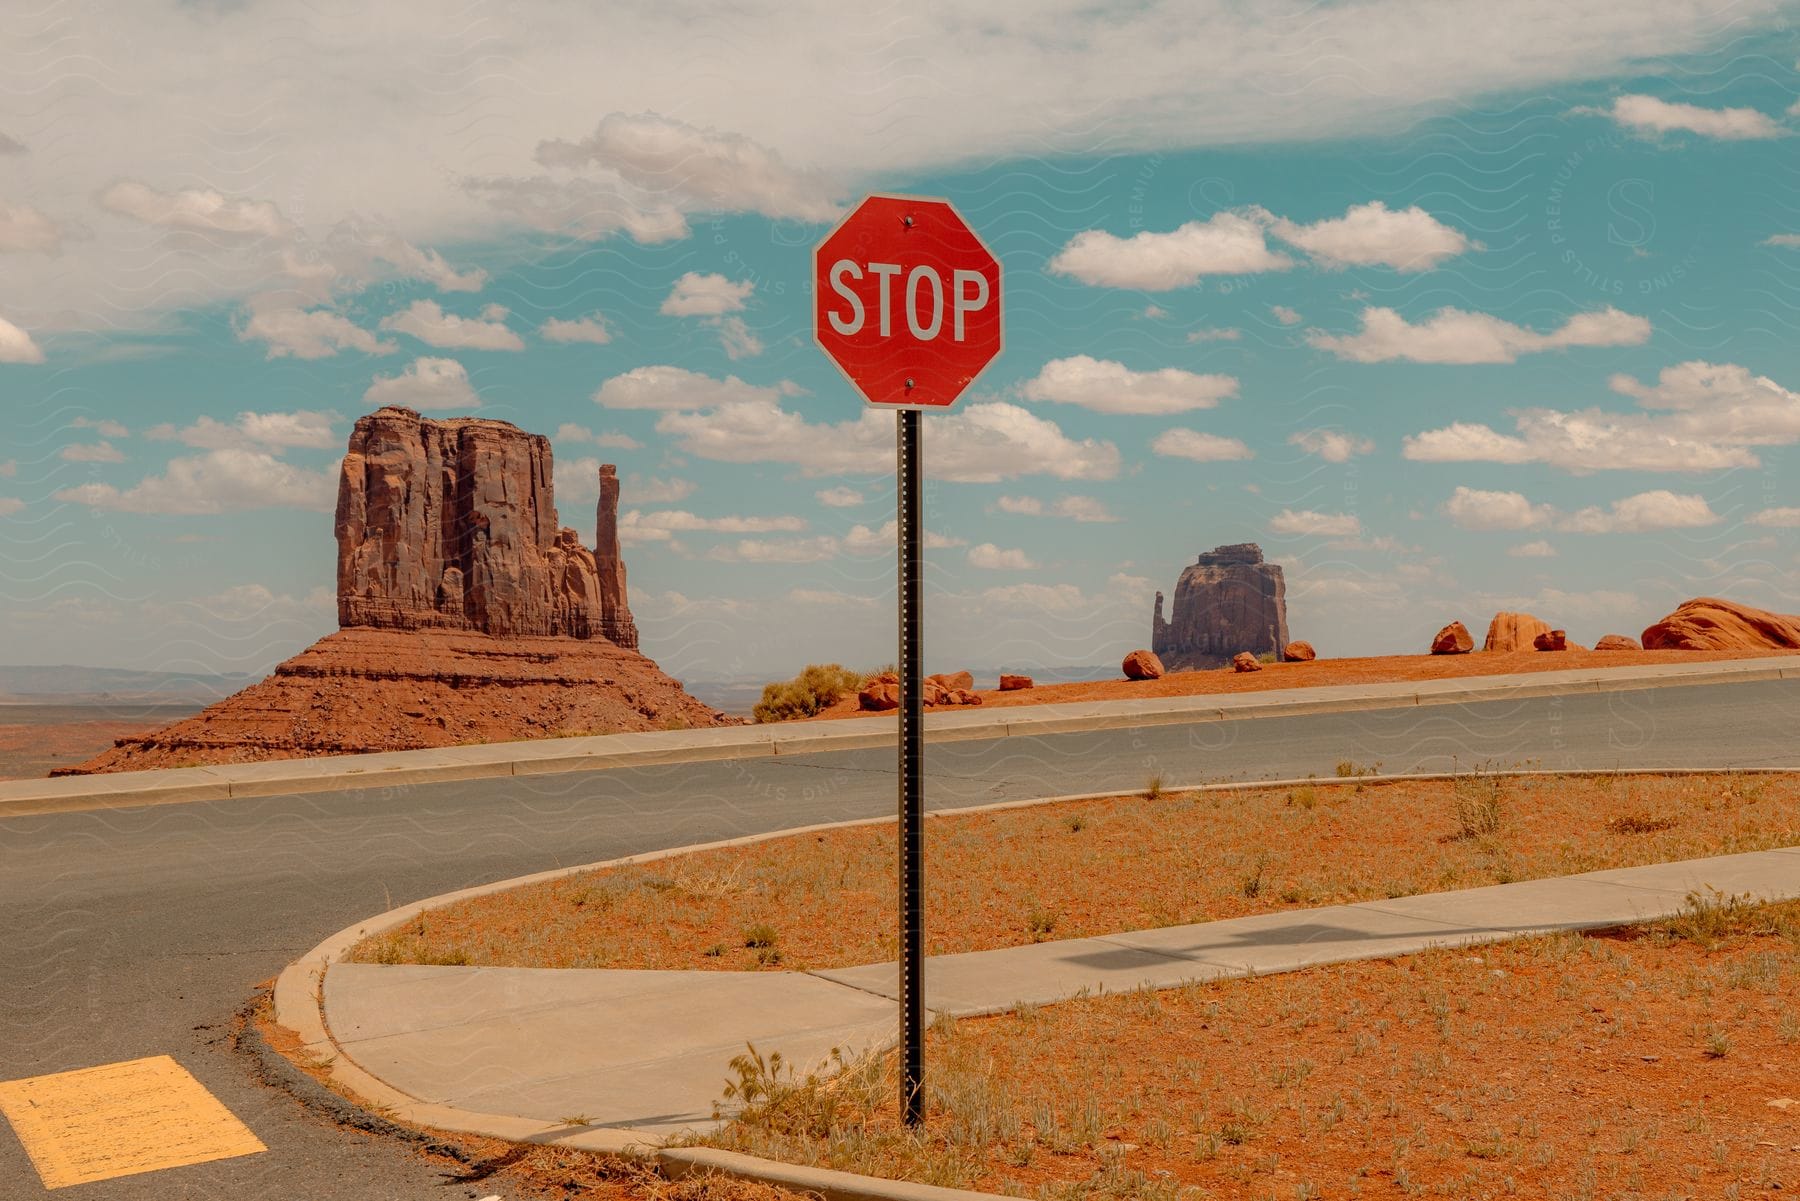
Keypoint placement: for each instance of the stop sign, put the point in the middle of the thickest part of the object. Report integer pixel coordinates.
(906, 301)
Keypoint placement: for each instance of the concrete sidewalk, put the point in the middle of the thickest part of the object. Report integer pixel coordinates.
(523, 1053)
(546, 756)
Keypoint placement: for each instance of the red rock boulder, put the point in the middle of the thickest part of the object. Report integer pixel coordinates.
(1453, 639)
(1711, 624)
(878, 696)
(1513, 632)
(1014, 683)
(1617, 642)
(1245, 661)
(1142, 665)
(1552, 640)
(1298, 652)
(953, 679)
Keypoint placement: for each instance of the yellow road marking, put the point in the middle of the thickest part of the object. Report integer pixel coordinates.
(120, 1119)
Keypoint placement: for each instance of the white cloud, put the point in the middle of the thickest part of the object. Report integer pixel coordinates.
(309, 333)
(397, 131)
(1110, 387)
(1334, 446)
(591, 328)
(1455, 336)
(1532, 550)
(697, 295)
(16, 345)
(1285, 315)
(106, 427)
(24, 230)
(1224, 244)
(1074, 508)
(200, 210)
(428, 322)
(989, 557)
(9, 469)
(778, 550)
(1372, 234)
(678, 388)
(1649, 116)
(736, 339)
(681, 521)
(425, 384)
(689, 169)
(978, 443)
(1227, 334)
(824, 596)
(1310, 523)
(654, 491)
(1202, 448)
(11, 505)
(1657, 510)
(1154, 312)
(1473, 509)
(303, 428)
(1782, 518)
(1045, 598)
(862, 540)
(839, 497)
(91, 452)
(220, 481)
(1702, 417)
(1782, 240)
(570, 432)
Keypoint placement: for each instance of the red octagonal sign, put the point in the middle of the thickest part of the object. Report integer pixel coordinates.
(906, 300)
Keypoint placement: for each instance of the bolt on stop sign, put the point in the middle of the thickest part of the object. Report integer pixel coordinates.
(906, 301)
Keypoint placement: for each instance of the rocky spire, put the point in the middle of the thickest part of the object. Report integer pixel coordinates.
(1229, 601)
(615, 609)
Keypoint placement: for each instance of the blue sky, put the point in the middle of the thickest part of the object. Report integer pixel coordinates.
(1452, 319)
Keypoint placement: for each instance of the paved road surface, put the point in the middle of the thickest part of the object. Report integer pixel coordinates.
(134, 933)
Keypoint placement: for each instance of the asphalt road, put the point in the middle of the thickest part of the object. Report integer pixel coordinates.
(131, 933)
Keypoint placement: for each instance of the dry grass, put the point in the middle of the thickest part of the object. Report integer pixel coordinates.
(1626, 1063)
(1131, 862)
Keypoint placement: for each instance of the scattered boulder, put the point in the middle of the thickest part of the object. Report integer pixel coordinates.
(878, 696)
(1298, 652)
(1514, 632)
(1142, 665)
(1710, 624)
(1014, 683)
(1552, 640)
(954, 679)
(1617, 642)
(1245, 661)
(960, 696)
(1453, 639)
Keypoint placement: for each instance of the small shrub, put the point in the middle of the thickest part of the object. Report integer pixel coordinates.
(818, 687)
(1252, 885)
(1350, 769)
(1305, 796)
(1477, 804)
(1154, 789)
(1075, 822)
(1040, 922)
(760, 935)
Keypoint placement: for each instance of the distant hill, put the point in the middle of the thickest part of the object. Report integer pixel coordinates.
(41, 684)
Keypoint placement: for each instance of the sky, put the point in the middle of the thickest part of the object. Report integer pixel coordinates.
(1451, 307)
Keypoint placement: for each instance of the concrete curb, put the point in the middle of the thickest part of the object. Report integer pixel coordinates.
(298, 1005)
(122, 790)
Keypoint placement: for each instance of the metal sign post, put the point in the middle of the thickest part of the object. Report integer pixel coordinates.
(912, 775)
(906, 301)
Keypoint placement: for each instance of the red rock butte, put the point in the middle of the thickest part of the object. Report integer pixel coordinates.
(467, 612)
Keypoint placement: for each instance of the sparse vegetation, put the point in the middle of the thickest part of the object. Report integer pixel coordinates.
(1100, 866)
(1478, 803)
(1153, 789)
(817, 687)
(1564, 1066)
